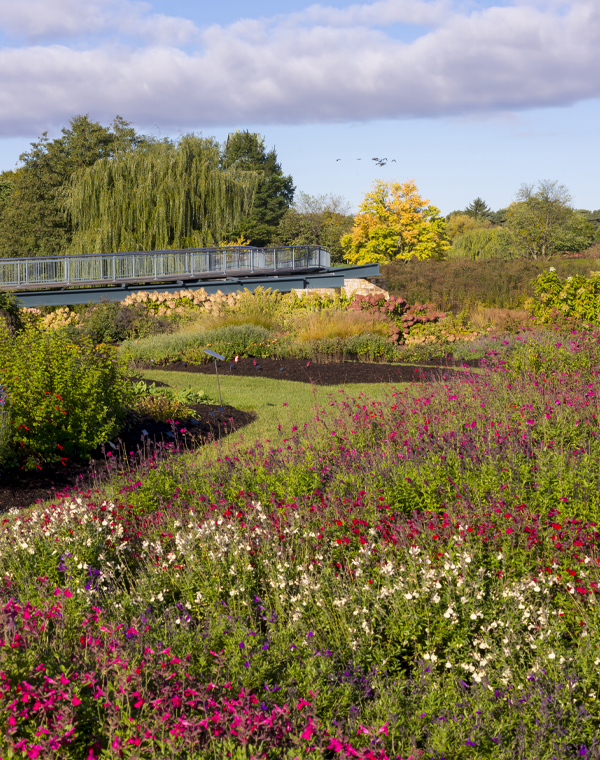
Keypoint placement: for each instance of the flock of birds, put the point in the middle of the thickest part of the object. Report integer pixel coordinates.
(378, 161)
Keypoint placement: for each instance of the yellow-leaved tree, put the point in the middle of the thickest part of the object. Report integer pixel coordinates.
(395, 222)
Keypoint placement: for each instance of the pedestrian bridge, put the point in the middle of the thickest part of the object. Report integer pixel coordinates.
(159, 266)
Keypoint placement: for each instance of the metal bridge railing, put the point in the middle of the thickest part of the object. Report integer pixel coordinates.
(157, 266)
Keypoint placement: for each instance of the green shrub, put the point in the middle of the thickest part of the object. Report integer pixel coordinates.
(4, 425)
(292, 304)
(111, 322)
(234, 340)
(64, 398)
(454, 285)
(370, 347)
(556, 300)
(161, 349)
(10, 313)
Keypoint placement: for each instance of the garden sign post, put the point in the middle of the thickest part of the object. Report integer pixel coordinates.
(222, 358)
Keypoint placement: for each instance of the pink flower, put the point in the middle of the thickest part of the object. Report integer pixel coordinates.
(76, 701)
(64, 680)
(67, 593)
(308, 731)
(384, 729)
(335, 745)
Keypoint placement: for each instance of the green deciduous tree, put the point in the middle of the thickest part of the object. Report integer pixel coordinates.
(395, 222)
(274, 194)
(542, 221)
(33, 221)
(483, 243)
(159, 196)
(317, 220)
(459, 223)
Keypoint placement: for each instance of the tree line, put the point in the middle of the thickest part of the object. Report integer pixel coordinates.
(107, 188)
(101, 189)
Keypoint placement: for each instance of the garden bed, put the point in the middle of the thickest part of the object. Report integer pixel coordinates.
(329, 373)
(19, 488)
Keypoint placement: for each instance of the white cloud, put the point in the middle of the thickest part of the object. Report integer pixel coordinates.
(47, 20)
(321, 65)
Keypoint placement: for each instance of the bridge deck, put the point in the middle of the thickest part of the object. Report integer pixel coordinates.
(158, 266)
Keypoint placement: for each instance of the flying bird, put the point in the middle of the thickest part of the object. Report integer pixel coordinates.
(338, 159)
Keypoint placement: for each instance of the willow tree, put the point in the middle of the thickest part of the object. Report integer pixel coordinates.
(160, 196)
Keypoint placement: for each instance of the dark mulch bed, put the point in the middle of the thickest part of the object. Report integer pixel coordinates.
(331, 373)
(20, 488)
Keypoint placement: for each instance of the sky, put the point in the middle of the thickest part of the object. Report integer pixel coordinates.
(471, 98)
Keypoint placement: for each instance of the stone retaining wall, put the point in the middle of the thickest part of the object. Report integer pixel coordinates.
(358, 286)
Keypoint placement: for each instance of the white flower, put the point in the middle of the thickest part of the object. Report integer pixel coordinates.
(551, 656)
(552, 269)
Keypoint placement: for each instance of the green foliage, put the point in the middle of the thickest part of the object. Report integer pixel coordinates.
(292, 304)
(10, 312)
(64, 399)
(484, 243)
(141, 390)
(231, 341)
(542, 221)
(164, 404)
(258, 307)
(7, 185)
(557, 299)
(245, 151)
(33, 221)
(317, 220)
(111, 322)
(459, 223)
(164, 196)
(4, 425)
(161, 349)
(370, 347)
(478, 209)
(454, 285)
(576, 235)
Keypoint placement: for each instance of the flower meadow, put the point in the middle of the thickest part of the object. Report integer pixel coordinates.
(410, 578)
